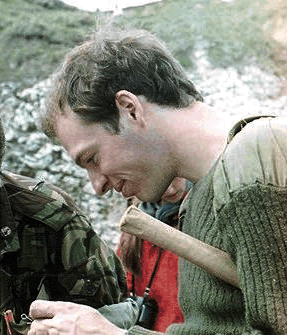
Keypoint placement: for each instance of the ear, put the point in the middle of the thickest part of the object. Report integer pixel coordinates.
(130, 107)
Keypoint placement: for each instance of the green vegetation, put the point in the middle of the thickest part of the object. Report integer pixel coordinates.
(232, 32)
(35, 34)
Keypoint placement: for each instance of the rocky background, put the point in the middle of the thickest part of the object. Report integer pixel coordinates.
(29, 152)
(236, 86)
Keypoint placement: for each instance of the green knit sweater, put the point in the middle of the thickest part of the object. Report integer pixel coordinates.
(240, 207)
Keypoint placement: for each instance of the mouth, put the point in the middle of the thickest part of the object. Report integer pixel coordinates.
(122, 188)
(119, 186)
(128, 194)
(106, 188)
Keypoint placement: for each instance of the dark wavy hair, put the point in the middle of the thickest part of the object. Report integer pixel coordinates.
(110, 61)
(2, 142)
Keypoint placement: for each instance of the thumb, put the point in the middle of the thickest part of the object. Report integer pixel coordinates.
(43, 309)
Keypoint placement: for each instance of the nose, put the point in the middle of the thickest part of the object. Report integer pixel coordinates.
(100, 182)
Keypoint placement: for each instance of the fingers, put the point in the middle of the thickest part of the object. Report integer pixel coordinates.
(38, 329)
(43, 309)
(58, 325)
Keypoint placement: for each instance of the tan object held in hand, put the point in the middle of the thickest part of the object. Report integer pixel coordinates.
(215, 261)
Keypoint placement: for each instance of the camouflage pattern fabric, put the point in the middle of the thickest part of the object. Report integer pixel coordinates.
(54, 245)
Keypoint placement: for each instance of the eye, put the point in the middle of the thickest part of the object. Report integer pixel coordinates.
(91, 160)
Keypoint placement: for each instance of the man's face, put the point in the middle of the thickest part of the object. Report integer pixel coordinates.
(127, 162)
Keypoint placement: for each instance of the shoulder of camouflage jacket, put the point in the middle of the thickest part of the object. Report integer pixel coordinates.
(39, 200)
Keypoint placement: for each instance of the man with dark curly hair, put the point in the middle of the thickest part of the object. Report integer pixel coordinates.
(126, 111)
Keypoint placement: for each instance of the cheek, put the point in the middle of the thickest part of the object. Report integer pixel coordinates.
(120, 158)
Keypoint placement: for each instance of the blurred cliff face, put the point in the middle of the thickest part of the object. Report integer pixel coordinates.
(278, 30)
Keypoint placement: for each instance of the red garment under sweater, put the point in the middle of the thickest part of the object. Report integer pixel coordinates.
(164, 287)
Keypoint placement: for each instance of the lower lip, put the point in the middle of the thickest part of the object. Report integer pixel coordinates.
(126, 193)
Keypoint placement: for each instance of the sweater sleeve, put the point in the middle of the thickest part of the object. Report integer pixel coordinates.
(251, 205)
(255, 223)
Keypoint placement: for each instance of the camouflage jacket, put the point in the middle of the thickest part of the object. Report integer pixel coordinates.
(48, 245)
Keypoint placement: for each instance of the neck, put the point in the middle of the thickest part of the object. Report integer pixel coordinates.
(197, 136)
